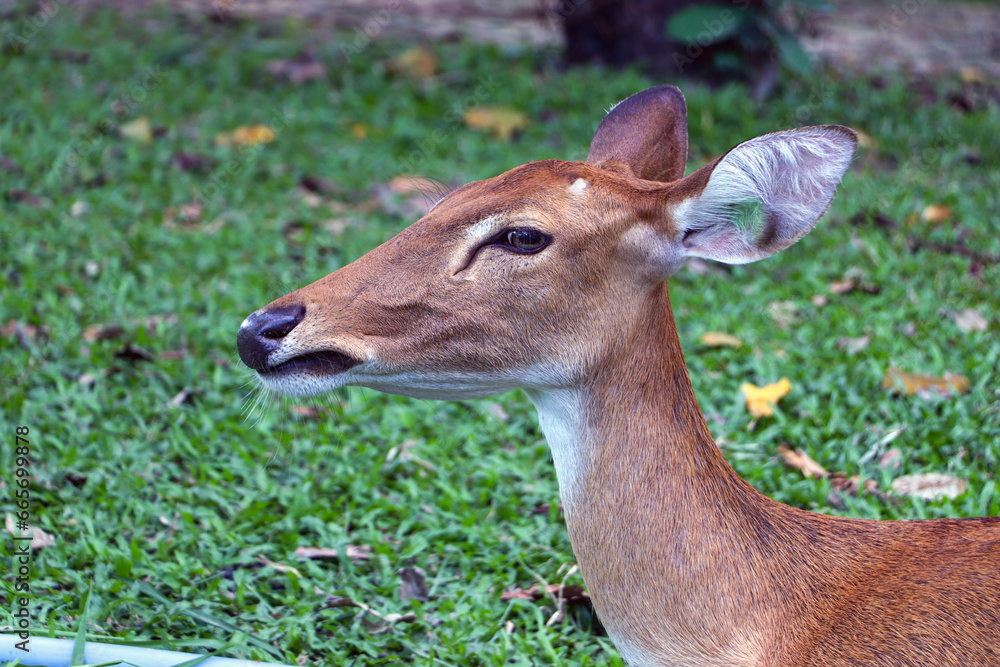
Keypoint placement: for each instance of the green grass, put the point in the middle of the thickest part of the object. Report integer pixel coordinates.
(140, 494)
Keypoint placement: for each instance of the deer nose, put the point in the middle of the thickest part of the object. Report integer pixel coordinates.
(262, 333)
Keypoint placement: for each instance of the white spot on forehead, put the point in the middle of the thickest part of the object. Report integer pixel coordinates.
(482, 229)
(579, 185)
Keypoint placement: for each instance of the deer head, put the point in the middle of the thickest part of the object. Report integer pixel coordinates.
(532, 278)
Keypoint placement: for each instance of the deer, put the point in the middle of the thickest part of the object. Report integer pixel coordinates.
(553, 278)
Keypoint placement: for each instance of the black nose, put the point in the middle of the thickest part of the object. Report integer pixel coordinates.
(262, 333)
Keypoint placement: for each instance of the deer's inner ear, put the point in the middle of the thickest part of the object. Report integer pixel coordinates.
(764, 194)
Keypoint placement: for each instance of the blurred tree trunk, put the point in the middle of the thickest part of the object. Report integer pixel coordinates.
(622, 32)
(625, 32)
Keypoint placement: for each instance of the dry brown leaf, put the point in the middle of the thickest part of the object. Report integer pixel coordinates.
(99, 332)
(39, 538)
(719, 339)
(893, 458)
(502, 121)
(572, 593)
(297, 71)
(929, 486)
(842, 286)
(137, 130)
(761, 400)
(970, 320)
(413, 584)
(132, 352)
(359, 131)
(917, 384)
(362, 552)
(935, 213)
(333, 601)
(801, 461)
(416, 62)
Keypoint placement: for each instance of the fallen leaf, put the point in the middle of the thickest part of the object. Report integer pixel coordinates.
(26, 334)
(893, 458)
(842, 286)
(99, 332)
(719, 339)
(761, 400)
(783, 313)
(841, 485)
(296, 71)
(404, 453)
(137, 130)
(819, 300)
(25, 197)
(864, 139)
(970, 74)
(416, 62)
(336, 601)
(929, 486)
(246, 135)
(194, 162)
(359, 131)
(278, 566)
(134, 353)
(502, 121)
(306, 411)
(571, 594)
(79, 208)
(363, 552)
(801, 461)
(969, 320)
(39, 538)
(853, 345)
(319, 185)
(179, 399)
(413, 584)
(910, 384)
(935, 213)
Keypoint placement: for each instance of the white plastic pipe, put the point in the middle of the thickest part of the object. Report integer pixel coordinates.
(45, 652)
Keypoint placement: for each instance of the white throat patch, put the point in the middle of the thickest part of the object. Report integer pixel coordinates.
(560, 415)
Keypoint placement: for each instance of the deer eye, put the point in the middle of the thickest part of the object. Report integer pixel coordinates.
(524, 239)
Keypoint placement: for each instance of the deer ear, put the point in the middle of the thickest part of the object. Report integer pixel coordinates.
(763, 195)
(644, 136)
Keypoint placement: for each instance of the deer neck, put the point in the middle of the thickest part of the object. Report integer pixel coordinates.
(657, 517)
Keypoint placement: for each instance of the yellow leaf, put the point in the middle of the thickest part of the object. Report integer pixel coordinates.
(417, 62)
(719, 339)
(970, 74)
(865, 140)
(137, 130)
(246, 135)
(761, 400)
(502, 121)
(911, 384)
(935, 213)
(359, 130)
